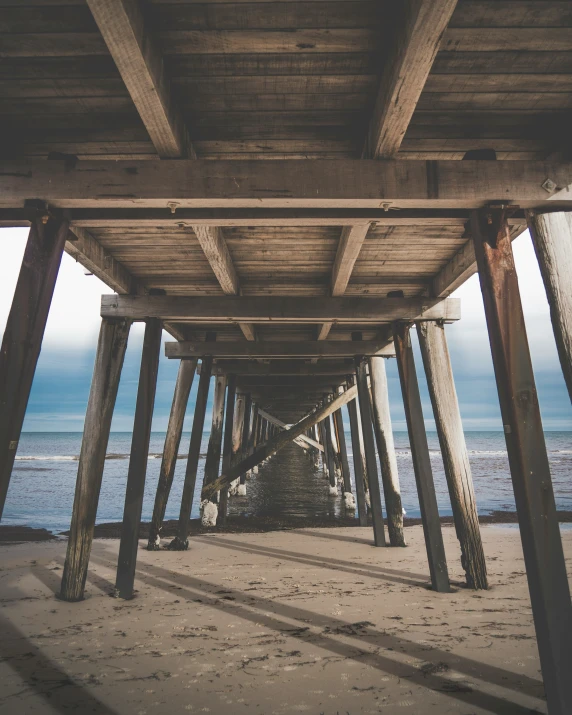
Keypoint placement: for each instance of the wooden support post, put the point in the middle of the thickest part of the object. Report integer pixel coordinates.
(369, 446)
(357, 450)
(528, 459)
(245, 437)
(212, 462)
(339, 425)
(441, 385)
(138, 459)
(181, 541)
(421, 459)
(329, 450)
(111, 348)
(552, 238)
(227, 444)
(325, 459)
(386, 451)
(171, 449)
(24, 332)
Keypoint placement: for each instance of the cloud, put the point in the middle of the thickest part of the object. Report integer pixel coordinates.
(61, 387)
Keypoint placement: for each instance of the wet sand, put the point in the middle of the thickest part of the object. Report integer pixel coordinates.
(309, 620)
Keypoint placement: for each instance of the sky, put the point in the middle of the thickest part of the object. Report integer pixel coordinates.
(61, 386)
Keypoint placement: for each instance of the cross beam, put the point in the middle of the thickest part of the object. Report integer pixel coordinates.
(279, 349)
(280, 309)
(305, 183)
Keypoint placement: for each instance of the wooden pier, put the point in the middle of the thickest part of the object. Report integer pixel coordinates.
(287, 189)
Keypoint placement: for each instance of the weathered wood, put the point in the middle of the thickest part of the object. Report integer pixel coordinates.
(138, 459)
(279, 441)
(105, 382)
(303, 438)
(349, 246)
(183, 387)
(339, 184)
(246, 427)
(180, 542)
(24, 332)
(443, 394)
(528, 459)
(278, 349)
(413, 44)
(227, 447)
(386, 451)
(328, 446)
(421, 459)
(552, 238)
(140, 64)
(341, 438)
(369, 449)
(358, 460)
(212, 463)
(279, 309)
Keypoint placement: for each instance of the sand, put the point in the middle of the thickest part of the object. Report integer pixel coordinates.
(304, 621)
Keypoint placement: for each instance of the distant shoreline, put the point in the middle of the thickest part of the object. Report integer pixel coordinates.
(241, 525)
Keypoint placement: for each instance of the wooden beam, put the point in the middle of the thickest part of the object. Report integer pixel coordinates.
(253, 382)
(218, 255)
(140, 64)
(91, 254)
(337, 369)
(279, 349)
(279, 423)
(22, 340)
(109, 358)
(306, 184)
(138, 460)
(349, 246)
(527, 456)
(279, 309)
(552, 238)
(278, 442)
(417, 27)
(183, 387)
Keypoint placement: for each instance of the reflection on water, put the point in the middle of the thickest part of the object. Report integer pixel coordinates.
(287, 485)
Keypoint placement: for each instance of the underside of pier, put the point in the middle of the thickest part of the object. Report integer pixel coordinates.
(288, 188)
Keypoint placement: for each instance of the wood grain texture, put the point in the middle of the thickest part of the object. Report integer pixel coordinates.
(351, 241)
(141, 67)
(183, 387)
(552, 238)
(447, 415)
(383, 431)
(421, 459)
(278, 349)
(109, 358)
(419, 27)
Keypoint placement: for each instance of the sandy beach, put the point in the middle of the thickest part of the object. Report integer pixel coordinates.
(309, 620)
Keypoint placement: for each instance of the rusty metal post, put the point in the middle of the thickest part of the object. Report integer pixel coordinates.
(528, 459)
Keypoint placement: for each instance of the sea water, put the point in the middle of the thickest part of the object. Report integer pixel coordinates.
(43, 481)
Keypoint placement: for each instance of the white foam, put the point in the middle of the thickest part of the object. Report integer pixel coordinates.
(209, 513)
(55, 458)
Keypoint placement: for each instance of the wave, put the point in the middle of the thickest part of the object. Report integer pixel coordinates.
(54, 458)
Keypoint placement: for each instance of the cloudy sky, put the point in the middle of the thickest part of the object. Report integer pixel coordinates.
(61, 387)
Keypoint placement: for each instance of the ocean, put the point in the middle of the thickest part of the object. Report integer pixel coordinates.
(42, 487)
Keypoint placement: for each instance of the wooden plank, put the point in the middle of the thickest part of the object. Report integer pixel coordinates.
(138, 460)
(183, 387)
(279, 423)
(140, 64)
(109, 358)
(280, 309)
(413, 45)
(339, 368)
(24, 332)
(521, 39)
(349, 247)
(552, 238)
(527, 455)
(381, 420)
(278, 349)
(421, 459)
(506, 13)
(91, 254)
(335, 184)
(447, 415)
(180, 542)
(276, 443)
